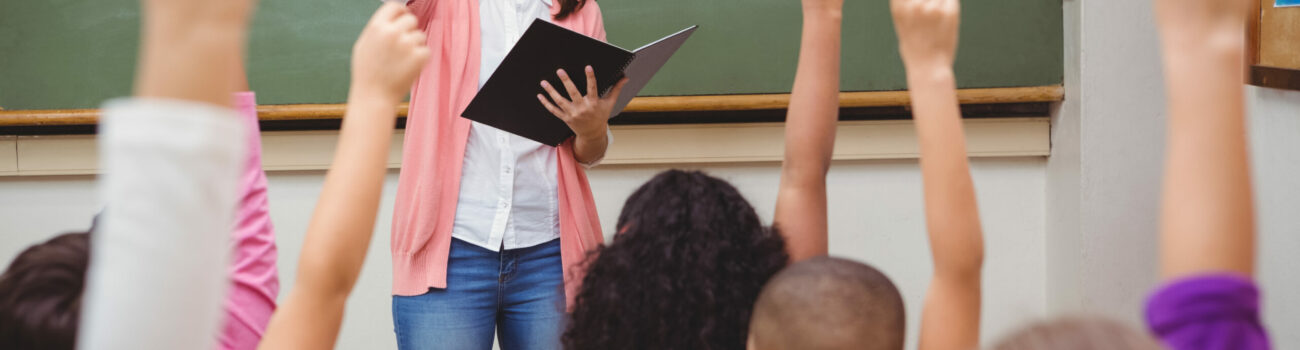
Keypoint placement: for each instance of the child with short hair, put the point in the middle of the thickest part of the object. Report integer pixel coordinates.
(171, 160)
(691, 255)
(857, 307)
(823, 302)
(828, 303)
(41, 291)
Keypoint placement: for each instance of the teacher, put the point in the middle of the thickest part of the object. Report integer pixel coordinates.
(489, 228)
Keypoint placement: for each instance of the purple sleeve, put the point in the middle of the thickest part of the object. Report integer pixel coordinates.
(1208, 312)
(254, 279)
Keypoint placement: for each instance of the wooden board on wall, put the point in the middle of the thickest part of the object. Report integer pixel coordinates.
(1273, 46)
(1279, 36)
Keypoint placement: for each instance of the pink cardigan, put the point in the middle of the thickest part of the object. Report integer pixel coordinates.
(435, 149)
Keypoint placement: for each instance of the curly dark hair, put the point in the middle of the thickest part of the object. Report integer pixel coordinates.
(40, 294)
(683, 273)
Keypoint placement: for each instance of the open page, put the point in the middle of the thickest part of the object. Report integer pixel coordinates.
(646, 63)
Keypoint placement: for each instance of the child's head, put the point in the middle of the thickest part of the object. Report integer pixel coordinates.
(1077, 333)
(683, 272)
(40, 294)
(828, 303)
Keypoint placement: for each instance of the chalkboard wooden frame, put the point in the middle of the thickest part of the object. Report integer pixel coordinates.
(737, 108)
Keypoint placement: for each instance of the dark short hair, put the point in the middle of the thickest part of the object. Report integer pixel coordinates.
(683, 272)
(828, 303)
(40, 294)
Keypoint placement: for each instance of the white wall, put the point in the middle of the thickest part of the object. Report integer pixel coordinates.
(1104, 172)
(1275, 148)
(875, 217)
(1105, 168)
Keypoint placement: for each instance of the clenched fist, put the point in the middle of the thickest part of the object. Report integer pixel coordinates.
(390, 52)
(927, 31)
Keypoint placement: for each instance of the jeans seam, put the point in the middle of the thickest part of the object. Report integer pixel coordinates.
(501, 262)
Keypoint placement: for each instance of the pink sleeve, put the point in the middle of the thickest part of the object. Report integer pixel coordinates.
(255, 282)
(598, 31)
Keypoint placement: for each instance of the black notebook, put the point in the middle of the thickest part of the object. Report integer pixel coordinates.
(508, 100)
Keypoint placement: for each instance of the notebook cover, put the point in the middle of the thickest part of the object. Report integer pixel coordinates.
(508, 100)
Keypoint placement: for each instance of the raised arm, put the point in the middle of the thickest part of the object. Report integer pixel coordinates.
(927, 35)
(810, 132)
(171, 158)
(386, 59)
(1207, 221)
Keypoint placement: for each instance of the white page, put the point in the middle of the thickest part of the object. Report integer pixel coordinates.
(646, 63)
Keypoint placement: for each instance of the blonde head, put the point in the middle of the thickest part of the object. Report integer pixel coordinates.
(1077, 333)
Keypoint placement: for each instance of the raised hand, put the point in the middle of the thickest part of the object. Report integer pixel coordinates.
(389, 54)
(188, 41)
(587, 115)
(927, 31)
(927, 40)
(385, 61)
(1207, 217)
(810, 132)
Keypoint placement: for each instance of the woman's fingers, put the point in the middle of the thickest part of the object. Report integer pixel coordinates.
(555, 95)
(406, 22)
(390, 10)
(574, 95)
(414, 38)
(551, 107)
(591, 83)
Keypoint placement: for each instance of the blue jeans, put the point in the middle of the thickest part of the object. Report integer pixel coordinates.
(517, 294)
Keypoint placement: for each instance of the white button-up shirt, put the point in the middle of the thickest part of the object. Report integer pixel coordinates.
(508, 190)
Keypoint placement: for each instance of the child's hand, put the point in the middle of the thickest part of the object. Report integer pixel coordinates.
(390, 52)
(1202, 22)
(587, 116)
(927, 31)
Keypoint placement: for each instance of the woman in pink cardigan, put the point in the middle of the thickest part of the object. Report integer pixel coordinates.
(488, 226)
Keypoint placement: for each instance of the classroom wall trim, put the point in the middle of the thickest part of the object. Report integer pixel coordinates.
(715, 103)
(8, 155)
(633, 144)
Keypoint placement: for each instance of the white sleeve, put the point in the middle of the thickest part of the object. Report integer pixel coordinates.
(158, 259)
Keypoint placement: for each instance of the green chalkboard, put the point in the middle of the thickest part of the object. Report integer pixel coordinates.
(57, 54)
